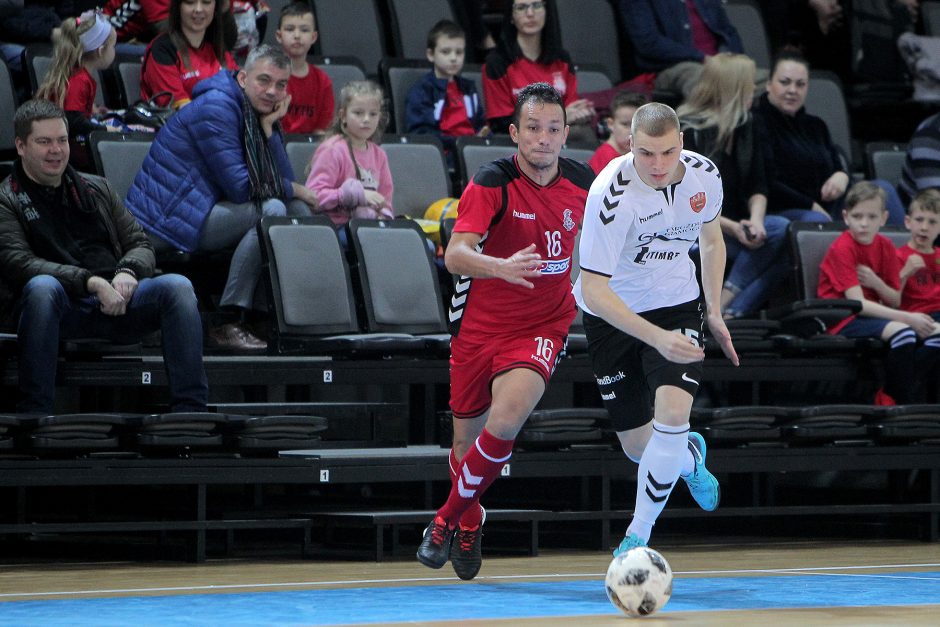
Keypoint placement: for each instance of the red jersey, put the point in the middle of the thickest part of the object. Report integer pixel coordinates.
(80, 92)
(164, 69)
(135, 19)
(500, 93)
(454, 119)
(922, 290)
(838, 271)
(512, 212)
(602, 156)
(311, 102)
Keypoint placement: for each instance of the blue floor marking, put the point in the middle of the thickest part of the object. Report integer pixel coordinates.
(468, 601)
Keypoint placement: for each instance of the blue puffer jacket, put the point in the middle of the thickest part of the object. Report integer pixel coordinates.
(197, 160)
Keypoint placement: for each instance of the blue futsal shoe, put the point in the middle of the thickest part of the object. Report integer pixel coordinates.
(630, 541)
(702, 484)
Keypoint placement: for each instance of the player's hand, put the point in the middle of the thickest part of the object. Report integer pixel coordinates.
(520, 266)
(110, 301)
(923, 325)
(124, 284)
(867, 277)
(719, 331)
(679, 348)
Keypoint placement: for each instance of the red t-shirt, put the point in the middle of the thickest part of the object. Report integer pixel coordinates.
(922, 290)
(454, 119)
(80, 92)
(311, 102)
(500, 94)
(602, 156)
(133, 18)
(547, 216)
(164, 70)
(838, 271)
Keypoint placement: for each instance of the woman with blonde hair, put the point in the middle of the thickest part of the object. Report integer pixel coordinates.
(717, 123)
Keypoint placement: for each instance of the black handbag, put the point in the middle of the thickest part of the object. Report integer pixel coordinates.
(149, 113)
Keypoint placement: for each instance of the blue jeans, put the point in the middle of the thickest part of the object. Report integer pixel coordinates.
(47, 315)
(756, 273)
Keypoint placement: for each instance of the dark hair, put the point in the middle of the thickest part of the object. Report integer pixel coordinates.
(627, 99)
(213, 33)
(35, 111)
(444, 28)
(788, 53)
(296, 9)
(541, 93)
(551, 36)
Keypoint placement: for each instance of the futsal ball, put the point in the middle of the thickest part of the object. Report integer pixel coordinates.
(639, 582)
(439, 210)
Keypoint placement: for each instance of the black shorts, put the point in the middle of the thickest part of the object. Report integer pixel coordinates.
(628, 371)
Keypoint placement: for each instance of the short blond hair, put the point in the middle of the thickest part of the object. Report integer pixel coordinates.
(862, 191)
(654, 119)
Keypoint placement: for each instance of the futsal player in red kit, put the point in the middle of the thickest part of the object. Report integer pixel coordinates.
(512, 248)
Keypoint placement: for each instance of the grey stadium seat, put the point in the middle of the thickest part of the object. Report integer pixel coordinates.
(590, 35)
(118, 157)
(351, 28)
(411, 22)
(300, 150)
(418, 170)
(341, 70)
(746, 17)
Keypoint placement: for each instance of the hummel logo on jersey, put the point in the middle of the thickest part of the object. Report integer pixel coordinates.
(524, 216)
(698, 163)
(612, 199)
(650, 217)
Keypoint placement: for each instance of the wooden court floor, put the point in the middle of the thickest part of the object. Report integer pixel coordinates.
(827, 562)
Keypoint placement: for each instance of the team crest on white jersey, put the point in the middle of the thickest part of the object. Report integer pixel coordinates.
(568, 223)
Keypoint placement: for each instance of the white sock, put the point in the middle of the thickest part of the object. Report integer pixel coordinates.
(659, 469)
(688, 462)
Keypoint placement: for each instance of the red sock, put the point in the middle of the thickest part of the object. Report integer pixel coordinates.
(477, 470)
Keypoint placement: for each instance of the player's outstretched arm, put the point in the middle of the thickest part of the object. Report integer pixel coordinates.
(712, 249)
(463, 259)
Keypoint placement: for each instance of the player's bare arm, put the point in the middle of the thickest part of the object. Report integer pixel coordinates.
(602, 300)
(712, 250)
(463, 259)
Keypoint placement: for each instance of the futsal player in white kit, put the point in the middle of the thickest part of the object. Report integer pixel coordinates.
(644, 310)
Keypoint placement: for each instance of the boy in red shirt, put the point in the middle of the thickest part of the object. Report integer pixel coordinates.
(622, 108)
(920, 259)
(863, 265)
(310, 89)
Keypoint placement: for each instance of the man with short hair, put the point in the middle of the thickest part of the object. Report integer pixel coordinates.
(216, 167)
(512, 247)
(642, 306)
(75, 264)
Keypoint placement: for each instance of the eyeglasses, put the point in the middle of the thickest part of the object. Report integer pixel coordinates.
(524, 8)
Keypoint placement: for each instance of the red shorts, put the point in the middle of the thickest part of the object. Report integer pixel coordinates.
(475, 362)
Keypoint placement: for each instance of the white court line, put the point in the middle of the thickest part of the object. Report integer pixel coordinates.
(406, 580)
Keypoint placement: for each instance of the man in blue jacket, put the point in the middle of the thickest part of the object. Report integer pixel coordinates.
(215, 168)
(674, 38)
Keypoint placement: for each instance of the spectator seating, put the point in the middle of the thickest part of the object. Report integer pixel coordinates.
(746, 17)
(128, 73)
(419, 172)
(351, 28)
(118, 157)
(473, 152)
(411, 20)
(300, 149)
(7, 107)
(398, 281)
(577, 152)
(273, 16)
(474, 71)
(826, 100)
(592, 77)
(398, 76)
(931, 15)
(341, 70)
(590, 34)
(311, 293)
(885, 160)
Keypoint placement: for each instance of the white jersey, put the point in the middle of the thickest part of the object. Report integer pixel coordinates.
(640, 236)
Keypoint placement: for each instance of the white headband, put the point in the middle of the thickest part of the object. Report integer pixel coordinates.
(94, 37)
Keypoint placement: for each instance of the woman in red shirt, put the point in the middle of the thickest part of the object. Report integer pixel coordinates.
(530, 52)
(190, 51)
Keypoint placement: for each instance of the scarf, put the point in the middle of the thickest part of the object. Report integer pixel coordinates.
(263, 177)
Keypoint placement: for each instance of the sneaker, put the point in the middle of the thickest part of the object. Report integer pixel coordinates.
(435, 547)
(630, 541)
(702, 484)
(465, 554)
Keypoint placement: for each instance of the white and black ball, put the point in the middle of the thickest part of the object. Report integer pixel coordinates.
(639, 582)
